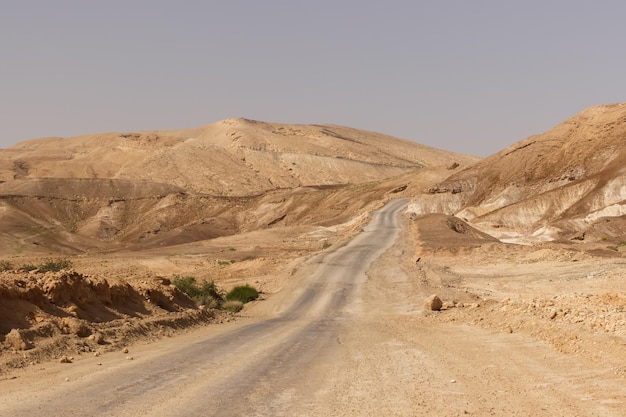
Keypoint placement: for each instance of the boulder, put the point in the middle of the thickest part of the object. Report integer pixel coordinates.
(17, 340)
(77, 327)
(433, 303)
(98, 338)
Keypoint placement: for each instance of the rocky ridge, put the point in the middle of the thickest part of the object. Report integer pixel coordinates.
(557, 185)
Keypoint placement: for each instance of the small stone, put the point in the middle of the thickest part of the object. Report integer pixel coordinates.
(77, 327)
(97, 337)
(433, 303)
(162, 280)
(129, 358)
(65, 359)
(125, 350)
(453, 381)
(552, 314)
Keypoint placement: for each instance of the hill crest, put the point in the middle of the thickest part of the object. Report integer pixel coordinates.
(230, 157)
(547, 186)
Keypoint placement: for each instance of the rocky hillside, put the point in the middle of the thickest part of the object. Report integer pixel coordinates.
(568, 183)
(138, 190)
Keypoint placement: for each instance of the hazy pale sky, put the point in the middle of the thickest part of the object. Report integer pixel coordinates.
(468, 76)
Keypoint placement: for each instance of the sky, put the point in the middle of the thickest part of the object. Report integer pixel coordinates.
(468, 76)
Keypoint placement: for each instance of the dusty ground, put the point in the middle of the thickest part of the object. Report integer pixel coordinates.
(524, 330)
(104, 302)
(115, 293)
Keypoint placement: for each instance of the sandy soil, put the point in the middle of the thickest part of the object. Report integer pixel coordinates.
(524, 331)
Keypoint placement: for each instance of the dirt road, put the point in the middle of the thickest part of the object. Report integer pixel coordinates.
(349, 339)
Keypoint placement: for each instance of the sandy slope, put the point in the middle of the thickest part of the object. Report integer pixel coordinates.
(233, 157)
(558, 185)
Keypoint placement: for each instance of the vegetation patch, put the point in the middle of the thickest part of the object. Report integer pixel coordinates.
(207, 293)
(243, 293)
(54, 265)
(27, 267)
(6, 265)
(210, 295)
(48, 265)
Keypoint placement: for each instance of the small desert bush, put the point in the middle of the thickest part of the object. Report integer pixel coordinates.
(27, 267)
(54, 265)
(243, 293)
(6, 266)
(48, 265)
(232, 305)
(208, 301)
(207, 293)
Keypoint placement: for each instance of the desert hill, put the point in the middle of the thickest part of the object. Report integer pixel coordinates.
(234, 157)
(569, 182)
(116, 191)
(236, 201)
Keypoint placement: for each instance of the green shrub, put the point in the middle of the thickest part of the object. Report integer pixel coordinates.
(48, 265)
(243, 293)
(209, 288)
(54, 265)
(186, 284)
(207, 294)
(6, 266)
(208, 301)
(27, 268)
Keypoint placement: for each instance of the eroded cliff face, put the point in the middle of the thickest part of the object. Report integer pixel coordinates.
(45, 315)
(557, 185)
